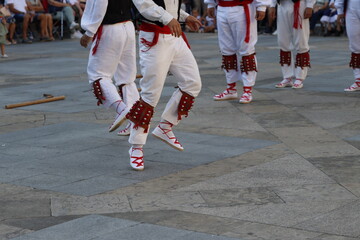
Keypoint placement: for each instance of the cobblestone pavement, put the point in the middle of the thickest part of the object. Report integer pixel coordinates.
(286, 166)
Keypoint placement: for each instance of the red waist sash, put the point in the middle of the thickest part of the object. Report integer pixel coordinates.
(148, 27)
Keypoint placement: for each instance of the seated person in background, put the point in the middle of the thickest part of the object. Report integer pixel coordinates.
(82, 4)
(46, 23)
(56, 7)
(330, 21)
(318, 11)
(209, 23)
(3, 32)
(20, 10)
(77, 8)
(10, 23)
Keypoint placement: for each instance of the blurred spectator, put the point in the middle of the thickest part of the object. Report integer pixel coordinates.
(3, 32)
(20, 10)
(10, 22)
(318, 11)
(209, 23)
(77, 8)
(270, 23)
(82, 4)
(46, 23)
(330, 21)
(58, 7)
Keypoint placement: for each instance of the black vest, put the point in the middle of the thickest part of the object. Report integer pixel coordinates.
(117, 11)
(160, 3)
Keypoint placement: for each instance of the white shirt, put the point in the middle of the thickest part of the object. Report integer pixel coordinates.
(19, 5)
(150, 10)
(93, 16)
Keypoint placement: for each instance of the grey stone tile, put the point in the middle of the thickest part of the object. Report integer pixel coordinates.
(287, 171)
(195, 222)
(309, 193)
(290, 214)
(8, 232)
(93, 185)
(242, 196)
(84, 228)
(256, 231)
(79, 205)
(217, 211)
(203, 236)
(39, 207)
(144, 231)
(167, 201)
(344, 169)
(333, 237)
(343, 221)
(313, 142)
(46, 181)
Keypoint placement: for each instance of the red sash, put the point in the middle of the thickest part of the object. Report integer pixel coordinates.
(147, 27)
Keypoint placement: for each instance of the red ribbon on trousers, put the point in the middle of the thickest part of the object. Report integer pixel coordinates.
(297, 16)
(147, 27)
(97, 38)
(246, 10)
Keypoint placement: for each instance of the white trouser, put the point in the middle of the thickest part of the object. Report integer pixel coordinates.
(353, 29)
(115, 57)
(231, 24)
(290, 38)
(169, 54)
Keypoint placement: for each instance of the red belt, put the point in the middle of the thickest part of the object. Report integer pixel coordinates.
(147, 27)
(247, 13)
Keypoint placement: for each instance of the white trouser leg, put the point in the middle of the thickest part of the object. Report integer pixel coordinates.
(353, 30)
(172, 54)
(356, 73)
(301, 42)
(228, 45)
(155, 64)
(186, 71)
(290, 38)
(126, 71)
(108, 59)
(245, 49)
(285, 21)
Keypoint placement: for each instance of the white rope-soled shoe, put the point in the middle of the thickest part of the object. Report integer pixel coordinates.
(166, 135)
(121, 110)
(136, 158)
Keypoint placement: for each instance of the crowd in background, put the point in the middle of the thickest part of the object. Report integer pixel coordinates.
(26, 21)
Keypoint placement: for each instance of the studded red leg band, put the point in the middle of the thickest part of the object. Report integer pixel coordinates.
(140, 114)
(185, 104)
(229, 62)
(248, 63)
(285, 58)
(97, 92)
(355, 60)
(303, 60)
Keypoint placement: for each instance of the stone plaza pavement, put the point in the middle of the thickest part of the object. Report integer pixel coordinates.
(286, 166)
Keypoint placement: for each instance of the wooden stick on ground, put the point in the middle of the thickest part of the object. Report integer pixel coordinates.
(45, 100)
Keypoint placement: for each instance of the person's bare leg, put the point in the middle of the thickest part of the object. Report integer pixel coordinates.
(26, 22)
(2, 47)
(12, 27)
(43, 26)
(49, 20)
